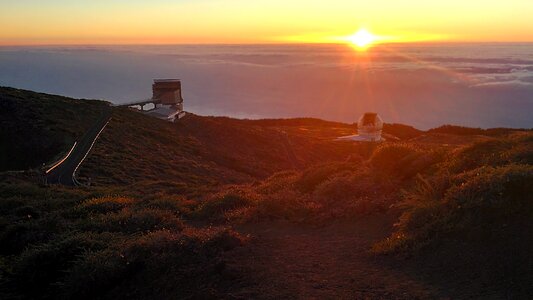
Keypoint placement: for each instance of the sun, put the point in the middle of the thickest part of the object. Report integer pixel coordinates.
(362, 39)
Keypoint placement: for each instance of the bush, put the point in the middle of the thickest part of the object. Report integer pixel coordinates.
(133, 221)
(44, 265)
(314, 176)
(484, 205)
(106, 204)
(480, 224)
(284, 204)
(14, 238)
(215, 207)
(517, 148)
(124, 270)
(176, 204)
(354, 193)
(279, 181)
(392, 158)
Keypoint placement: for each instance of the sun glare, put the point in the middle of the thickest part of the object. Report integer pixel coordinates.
(362, 39)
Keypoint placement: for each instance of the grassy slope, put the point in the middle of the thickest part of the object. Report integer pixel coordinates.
(36, 128)
(464, 197)
(465, 226)
(64, 243)
(199, 153)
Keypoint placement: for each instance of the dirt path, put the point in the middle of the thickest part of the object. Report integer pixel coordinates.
(288, 261)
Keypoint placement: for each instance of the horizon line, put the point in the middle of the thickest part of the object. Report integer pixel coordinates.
(261, 43)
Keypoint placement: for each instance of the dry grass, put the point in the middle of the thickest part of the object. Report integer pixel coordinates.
(145, 229)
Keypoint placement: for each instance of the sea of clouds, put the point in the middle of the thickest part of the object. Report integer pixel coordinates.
(480, 85)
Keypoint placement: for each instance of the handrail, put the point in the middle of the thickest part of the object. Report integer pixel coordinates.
(62, 160)
(74, 180)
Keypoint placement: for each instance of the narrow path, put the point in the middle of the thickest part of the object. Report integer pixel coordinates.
(289, 261)
(64, 173)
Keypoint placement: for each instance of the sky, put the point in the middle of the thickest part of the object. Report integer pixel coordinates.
(38, 22)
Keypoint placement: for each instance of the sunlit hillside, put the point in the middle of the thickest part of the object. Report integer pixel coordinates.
(203, 151)
(215, 207)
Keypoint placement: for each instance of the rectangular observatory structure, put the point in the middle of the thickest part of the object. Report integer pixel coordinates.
(167, 92)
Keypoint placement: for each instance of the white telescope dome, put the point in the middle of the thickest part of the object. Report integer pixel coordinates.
(369, 128)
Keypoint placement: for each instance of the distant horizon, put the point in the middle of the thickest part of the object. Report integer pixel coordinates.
(423, 85)
(429, 43)
(289, 118)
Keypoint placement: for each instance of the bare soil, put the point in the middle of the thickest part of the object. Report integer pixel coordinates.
(294, 261)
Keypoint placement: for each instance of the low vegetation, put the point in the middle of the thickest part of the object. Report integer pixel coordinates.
(325, 191)
(80, 244)
(38, 128)
(475, 209)
(166, 200)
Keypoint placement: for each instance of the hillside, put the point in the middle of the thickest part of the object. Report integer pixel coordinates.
(199, 152)
(214, 207)
(37, 128)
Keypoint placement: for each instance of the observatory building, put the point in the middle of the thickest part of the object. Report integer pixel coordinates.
(167, 92)
(369, 128)
(166, 100)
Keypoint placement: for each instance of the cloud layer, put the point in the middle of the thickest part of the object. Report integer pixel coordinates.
(475, 85)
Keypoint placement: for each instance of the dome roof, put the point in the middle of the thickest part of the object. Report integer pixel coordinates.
(370, 121)
(369, 128)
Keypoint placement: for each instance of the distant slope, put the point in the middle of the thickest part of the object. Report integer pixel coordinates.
(460, 130)
(196, 152)
(36, 128)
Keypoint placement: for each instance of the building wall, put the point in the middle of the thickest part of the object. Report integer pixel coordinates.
(167, 92)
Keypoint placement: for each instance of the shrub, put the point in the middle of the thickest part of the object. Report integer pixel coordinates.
(176, 204)
(484, 153)
(279, 181)
(14, 238)
(484, 205)
(124, 270)
(502, 192)
(392, 158)
(214, 207)
(44, 265)
(356, 193)
(516, 148)
(314, 176)
(522, 150)
(285, 204)
(106, 204)
(133, 221)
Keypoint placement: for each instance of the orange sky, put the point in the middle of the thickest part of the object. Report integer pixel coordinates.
(260, 21)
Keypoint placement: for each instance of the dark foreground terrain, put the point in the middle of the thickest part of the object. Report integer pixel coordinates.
(221, 208)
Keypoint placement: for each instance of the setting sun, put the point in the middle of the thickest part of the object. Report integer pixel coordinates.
(362, 38)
